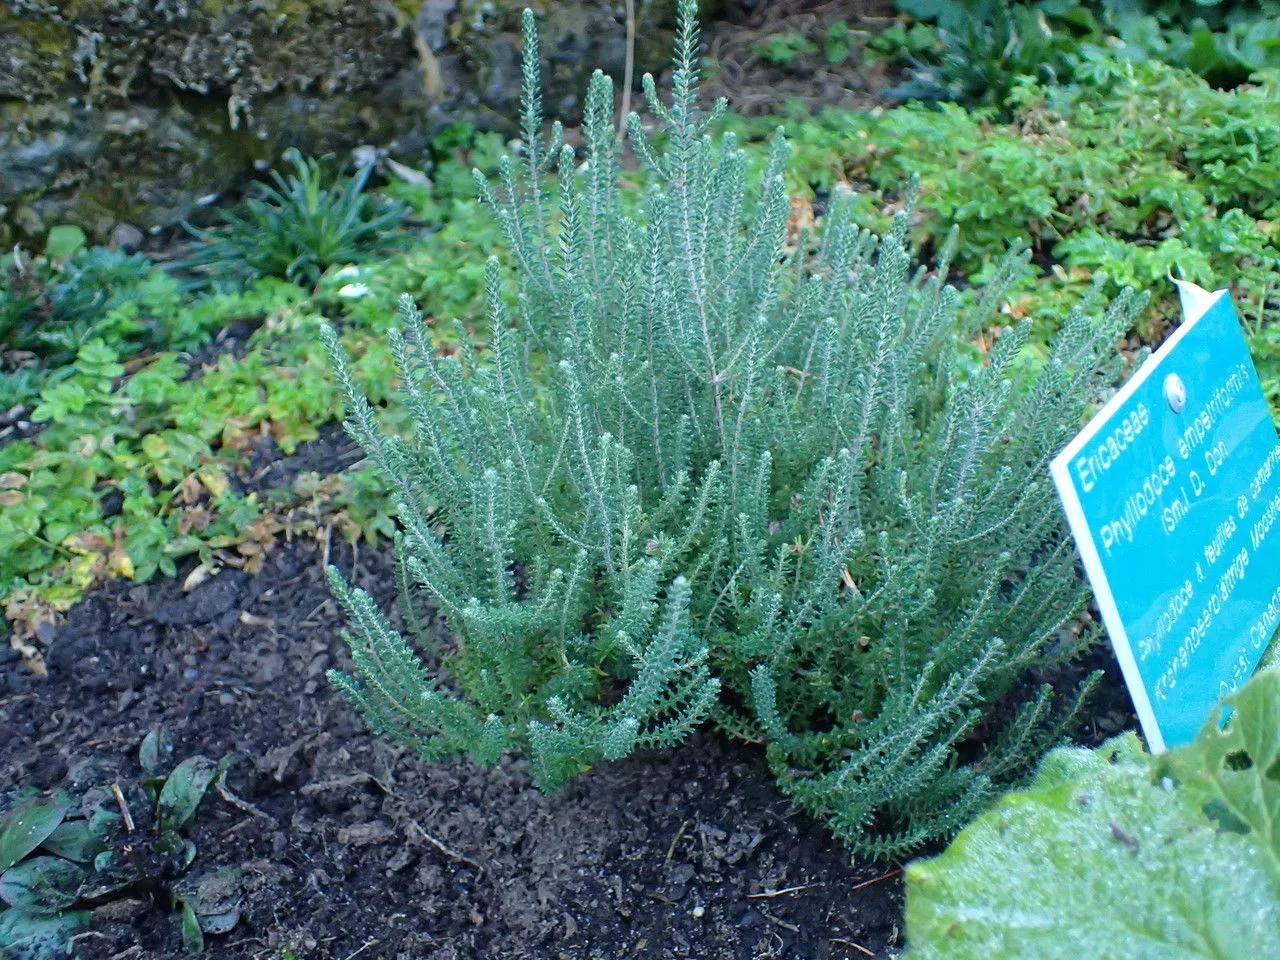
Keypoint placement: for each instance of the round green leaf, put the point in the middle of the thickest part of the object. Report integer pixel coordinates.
(25, 936)
(26, 827)
(64, 240)
(41, 884)
(74, 840)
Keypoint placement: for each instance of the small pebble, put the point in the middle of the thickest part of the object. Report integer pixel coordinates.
(191, 673)
(226, 699)
(127, 237)
(698, 911)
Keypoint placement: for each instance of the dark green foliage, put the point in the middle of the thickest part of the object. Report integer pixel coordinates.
(297, 226)
(62, 857)
(717, 470)
(52, 304)
(1143, 170)
(984, 46)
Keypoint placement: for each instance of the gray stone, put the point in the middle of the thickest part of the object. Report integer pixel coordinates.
(126, 112)
(127, 237)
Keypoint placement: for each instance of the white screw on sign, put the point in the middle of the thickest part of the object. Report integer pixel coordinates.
(1175, 391)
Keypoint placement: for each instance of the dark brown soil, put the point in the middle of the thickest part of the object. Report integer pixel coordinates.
(738, 69)
(361, 848)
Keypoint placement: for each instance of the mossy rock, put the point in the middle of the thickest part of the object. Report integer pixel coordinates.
(134, 110)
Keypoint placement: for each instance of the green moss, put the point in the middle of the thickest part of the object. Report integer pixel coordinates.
(240, 82)
(38, 53)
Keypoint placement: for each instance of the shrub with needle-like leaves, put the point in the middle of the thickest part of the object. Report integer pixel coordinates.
(707, 469)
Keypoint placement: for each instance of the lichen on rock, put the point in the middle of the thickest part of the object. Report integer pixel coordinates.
(129, 111)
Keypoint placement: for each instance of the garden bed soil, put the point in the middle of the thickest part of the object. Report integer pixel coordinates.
(360, 849)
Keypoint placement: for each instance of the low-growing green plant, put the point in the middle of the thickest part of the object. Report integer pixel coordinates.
(985, 45)
(297, 226)
(52, 304)
(835, 44)
(1141, 171)
(455, 150)
(838, 42)
(1111, 852)
(137, 468)
(1264, 344)
(784, 47)
(141, 460)
(62, 857)
(714, 472)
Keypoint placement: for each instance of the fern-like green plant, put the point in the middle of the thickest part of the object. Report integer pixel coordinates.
(710, 470)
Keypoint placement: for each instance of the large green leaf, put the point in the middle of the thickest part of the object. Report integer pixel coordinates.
(26, 827)
(74, 840)
(25, 936)
(64, 241)
(1110, 854)
(192, 937)
(1233, 773)
(41, 884)
(182, 793)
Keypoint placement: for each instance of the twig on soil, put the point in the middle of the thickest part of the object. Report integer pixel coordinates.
(446, 850)
(363, 947)
(671, 850)
(89, 935)
(124, 807)
(781, 923)
(307, 621)
(765, 894)
(867, 883)
(857, 946)
(339, 783)
(237, 827)
(225, 793)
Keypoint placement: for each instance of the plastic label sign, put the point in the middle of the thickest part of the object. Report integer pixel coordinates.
(1172, 493)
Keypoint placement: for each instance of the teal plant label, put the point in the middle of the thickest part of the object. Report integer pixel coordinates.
(1172, 492)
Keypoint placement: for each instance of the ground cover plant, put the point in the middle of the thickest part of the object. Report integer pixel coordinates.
(981, 48)
(64, 857)
(141, 441)
(1111, 849)
(137, 467)
(297, 225)
(714, 472)
(1141, 171)
(54, 302)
